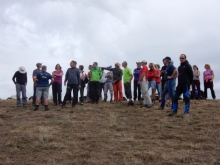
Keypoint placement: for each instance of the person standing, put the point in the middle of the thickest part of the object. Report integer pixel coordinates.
(117, 82)
(35, 72)
(185, 78)
(127, 77)
(102, 83)
(208, 77)
(158, 81)
(95, 76)
(108, 85)
(88, 86)
(20, 85)
(83, 84)
(163, 74)
(170, 77)
(143, 81)
(137, 87)
(196, 82)
(42, 88)
(152, 81)
(72, 80)
(57, 85)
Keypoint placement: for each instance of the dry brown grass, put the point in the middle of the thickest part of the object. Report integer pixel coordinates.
(110, 134)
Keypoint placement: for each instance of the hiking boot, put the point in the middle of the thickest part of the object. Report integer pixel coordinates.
(160, 108)
(36, 108)
(104, 100)
(149, 105)
(172, 113)
(46, 108)
(185, 115)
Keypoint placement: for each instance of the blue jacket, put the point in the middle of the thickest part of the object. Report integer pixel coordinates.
(72, 76)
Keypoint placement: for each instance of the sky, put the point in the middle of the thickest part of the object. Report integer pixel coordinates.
(105, 31)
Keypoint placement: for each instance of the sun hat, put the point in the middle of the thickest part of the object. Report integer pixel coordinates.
(22, 69)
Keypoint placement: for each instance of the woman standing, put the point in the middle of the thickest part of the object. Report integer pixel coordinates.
(57, 85)
(208, 77)
(196, 82)
(151, 79)
(83, 84)
(158, 80)
(137, 87)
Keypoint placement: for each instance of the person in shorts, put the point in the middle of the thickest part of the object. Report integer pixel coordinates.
(42, 80)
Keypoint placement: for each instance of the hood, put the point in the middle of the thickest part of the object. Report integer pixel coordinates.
(183, 63)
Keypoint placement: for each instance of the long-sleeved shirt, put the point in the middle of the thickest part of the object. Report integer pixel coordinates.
(95, 74)
(136, 74)
(117, 74)
(185, 73)
(21, 78)
(72, 76)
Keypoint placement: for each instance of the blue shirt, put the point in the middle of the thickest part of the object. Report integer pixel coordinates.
(169, 70)
(136, 74)
(43, 79)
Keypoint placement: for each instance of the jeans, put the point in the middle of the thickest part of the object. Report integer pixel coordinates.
(144, 91)
(57, 92)
(169, 88)
(158, 87)
(127, 87)
(137, 87)
(21, 89)
(71, 87)
(182, 89)
(94, 90)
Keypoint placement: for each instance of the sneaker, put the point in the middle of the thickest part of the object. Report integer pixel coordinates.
(172, 113)
(36, 108)
(160, 108)
(114, 102)
(46, 108)
(82, 103)
(185, 115)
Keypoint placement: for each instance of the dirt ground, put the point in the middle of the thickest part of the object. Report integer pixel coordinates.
(109, 134)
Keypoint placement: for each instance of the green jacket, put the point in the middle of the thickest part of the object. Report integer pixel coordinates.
(95, 74)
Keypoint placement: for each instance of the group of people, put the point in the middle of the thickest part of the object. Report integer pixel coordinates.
(97, 80)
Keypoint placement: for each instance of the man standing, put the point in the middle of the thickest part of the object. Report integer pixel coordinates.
(170, 77)
(127, 77)
(143, 81)
(102, 83)
(42, 88)
(185, 79)
(108, 85)
(95, 76)
(72, 78)
(35, 72)
(20, 84)
(137, 87)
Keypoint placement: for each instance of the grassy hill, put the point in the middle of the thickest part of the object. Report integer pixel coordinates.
(110, 135)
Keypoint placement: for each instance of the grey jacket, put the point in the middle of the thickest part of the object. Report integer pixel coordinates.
(72, 76)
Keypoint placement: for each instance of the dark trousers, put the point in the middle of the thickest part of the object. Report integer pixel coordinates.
(209, 84)
(57, 91)
(101, 88)
(137, 87)
(195, 83)
(81, 90)
(34, 97)
(71, 87)
(162, 84)
(182, 89)
(127, 87)
(94, 90)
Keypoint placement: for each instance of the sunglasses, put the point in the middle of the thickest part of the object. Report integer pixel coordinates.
(182, 58)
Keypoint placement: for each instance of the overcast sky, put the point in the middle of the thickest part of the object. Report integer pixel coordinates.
(106, 31)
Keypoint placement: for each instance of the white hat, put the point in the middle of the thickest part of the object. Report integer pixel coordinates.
(144, 61)
(22, 69)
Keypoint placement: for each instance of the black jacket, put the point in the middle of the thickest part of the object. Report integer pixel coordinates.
(185, 73)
